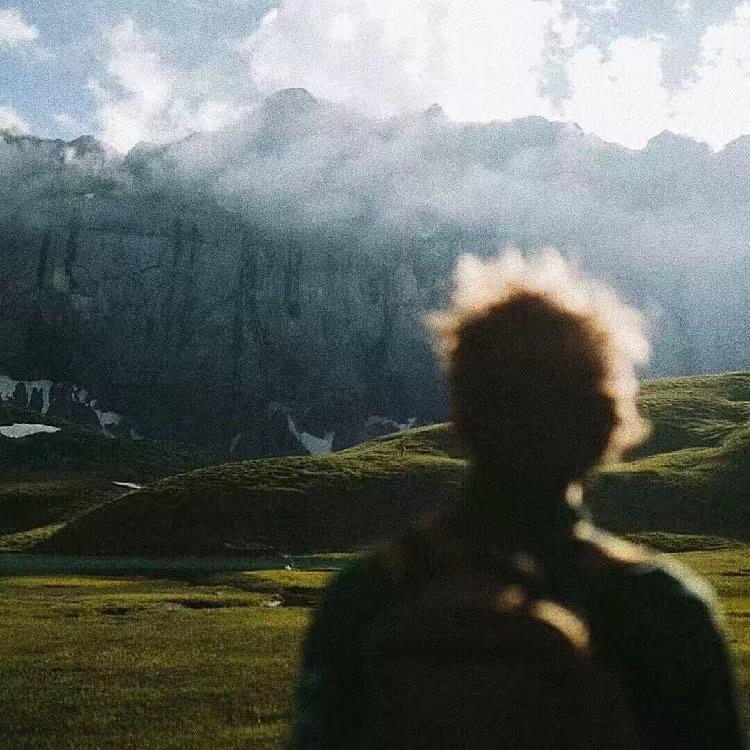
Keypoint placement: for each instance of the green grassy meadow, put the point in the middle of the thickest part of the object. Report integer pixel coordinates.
(100, 662)
(90, 662)
(149, 651)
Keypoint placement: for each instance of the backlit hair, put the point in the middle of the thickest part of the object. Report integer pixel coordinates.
(541, 363)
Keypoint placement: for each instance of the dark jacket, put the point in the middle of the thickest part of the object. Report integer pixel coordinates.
(653, 621)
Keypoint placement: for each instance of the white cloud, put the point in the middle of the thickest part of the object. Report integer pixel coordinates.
(480, 59)
(144, 98)
(603, 6)
(69, 124)
(620, 98)
(500, 59)
(715, 106)
(14, 29)
(11, 121)
(476, 57)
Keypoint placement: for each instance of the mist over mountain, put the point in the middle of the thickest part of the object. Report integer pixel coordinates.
(258, 286)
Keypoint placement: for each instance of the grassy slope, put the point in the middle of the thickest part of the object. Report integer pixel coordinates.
(340, 501)
(95, 662)
(694, 412)
(329, 503)
(694, 490)
(47, 480)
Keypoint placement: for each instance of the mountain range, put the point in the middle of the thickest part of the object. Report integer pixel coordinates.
(260, 290)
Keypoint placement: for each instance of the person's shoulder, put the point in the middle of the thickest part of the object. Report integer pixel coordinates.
(379, 574)
(647, 573)
(360, 585)
(355, 574)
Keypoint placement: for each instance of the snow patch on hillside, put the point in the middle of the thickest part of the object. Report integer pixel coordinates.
(20, 430)
(78, 394)
(317, 446)
(314, 445)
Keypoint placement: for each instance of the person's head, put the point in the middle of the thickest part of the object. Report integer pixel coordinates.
(540, 362)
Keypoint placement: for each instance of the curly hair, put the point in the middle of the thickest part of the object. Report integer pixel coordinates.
(541, 365)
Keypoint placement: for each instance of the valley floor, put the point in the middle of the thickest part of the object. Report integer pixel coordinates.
(97, 662)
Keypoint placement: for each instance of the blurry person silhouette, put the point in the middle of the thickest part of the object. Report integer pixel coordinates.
(511, 621)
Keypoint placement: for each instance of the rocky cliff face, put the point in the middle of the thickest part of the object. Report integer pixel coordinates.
(194, 324)
(260, 290)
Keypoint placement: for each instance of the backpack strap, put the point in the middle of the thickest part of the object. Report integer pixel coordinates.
(413, 557)
(431, 548)
(581, 564)
(445, 662)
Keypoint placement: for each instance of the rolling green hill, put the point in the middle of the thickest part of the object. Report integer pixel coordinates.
(334, 502)
(694, 412)
(48, 479)
(693, 476)
(693, 490)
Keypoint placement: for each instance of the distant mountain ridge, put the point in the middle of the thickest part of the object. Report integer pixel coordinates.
(289, 259)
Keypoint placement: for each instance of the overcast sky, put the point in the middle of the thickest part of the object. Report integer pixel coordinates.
(155, 70)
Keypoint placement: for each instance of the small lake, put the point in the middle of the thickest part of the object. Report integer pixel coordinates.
(178, 567)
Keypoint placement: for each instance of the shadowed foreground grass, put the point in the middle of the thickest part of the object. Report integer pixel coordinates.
(90, 662)
(96, 663)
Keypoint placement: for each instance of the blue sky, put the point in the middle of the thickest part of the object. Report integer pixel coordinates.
(133, 70)
(50, 76)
